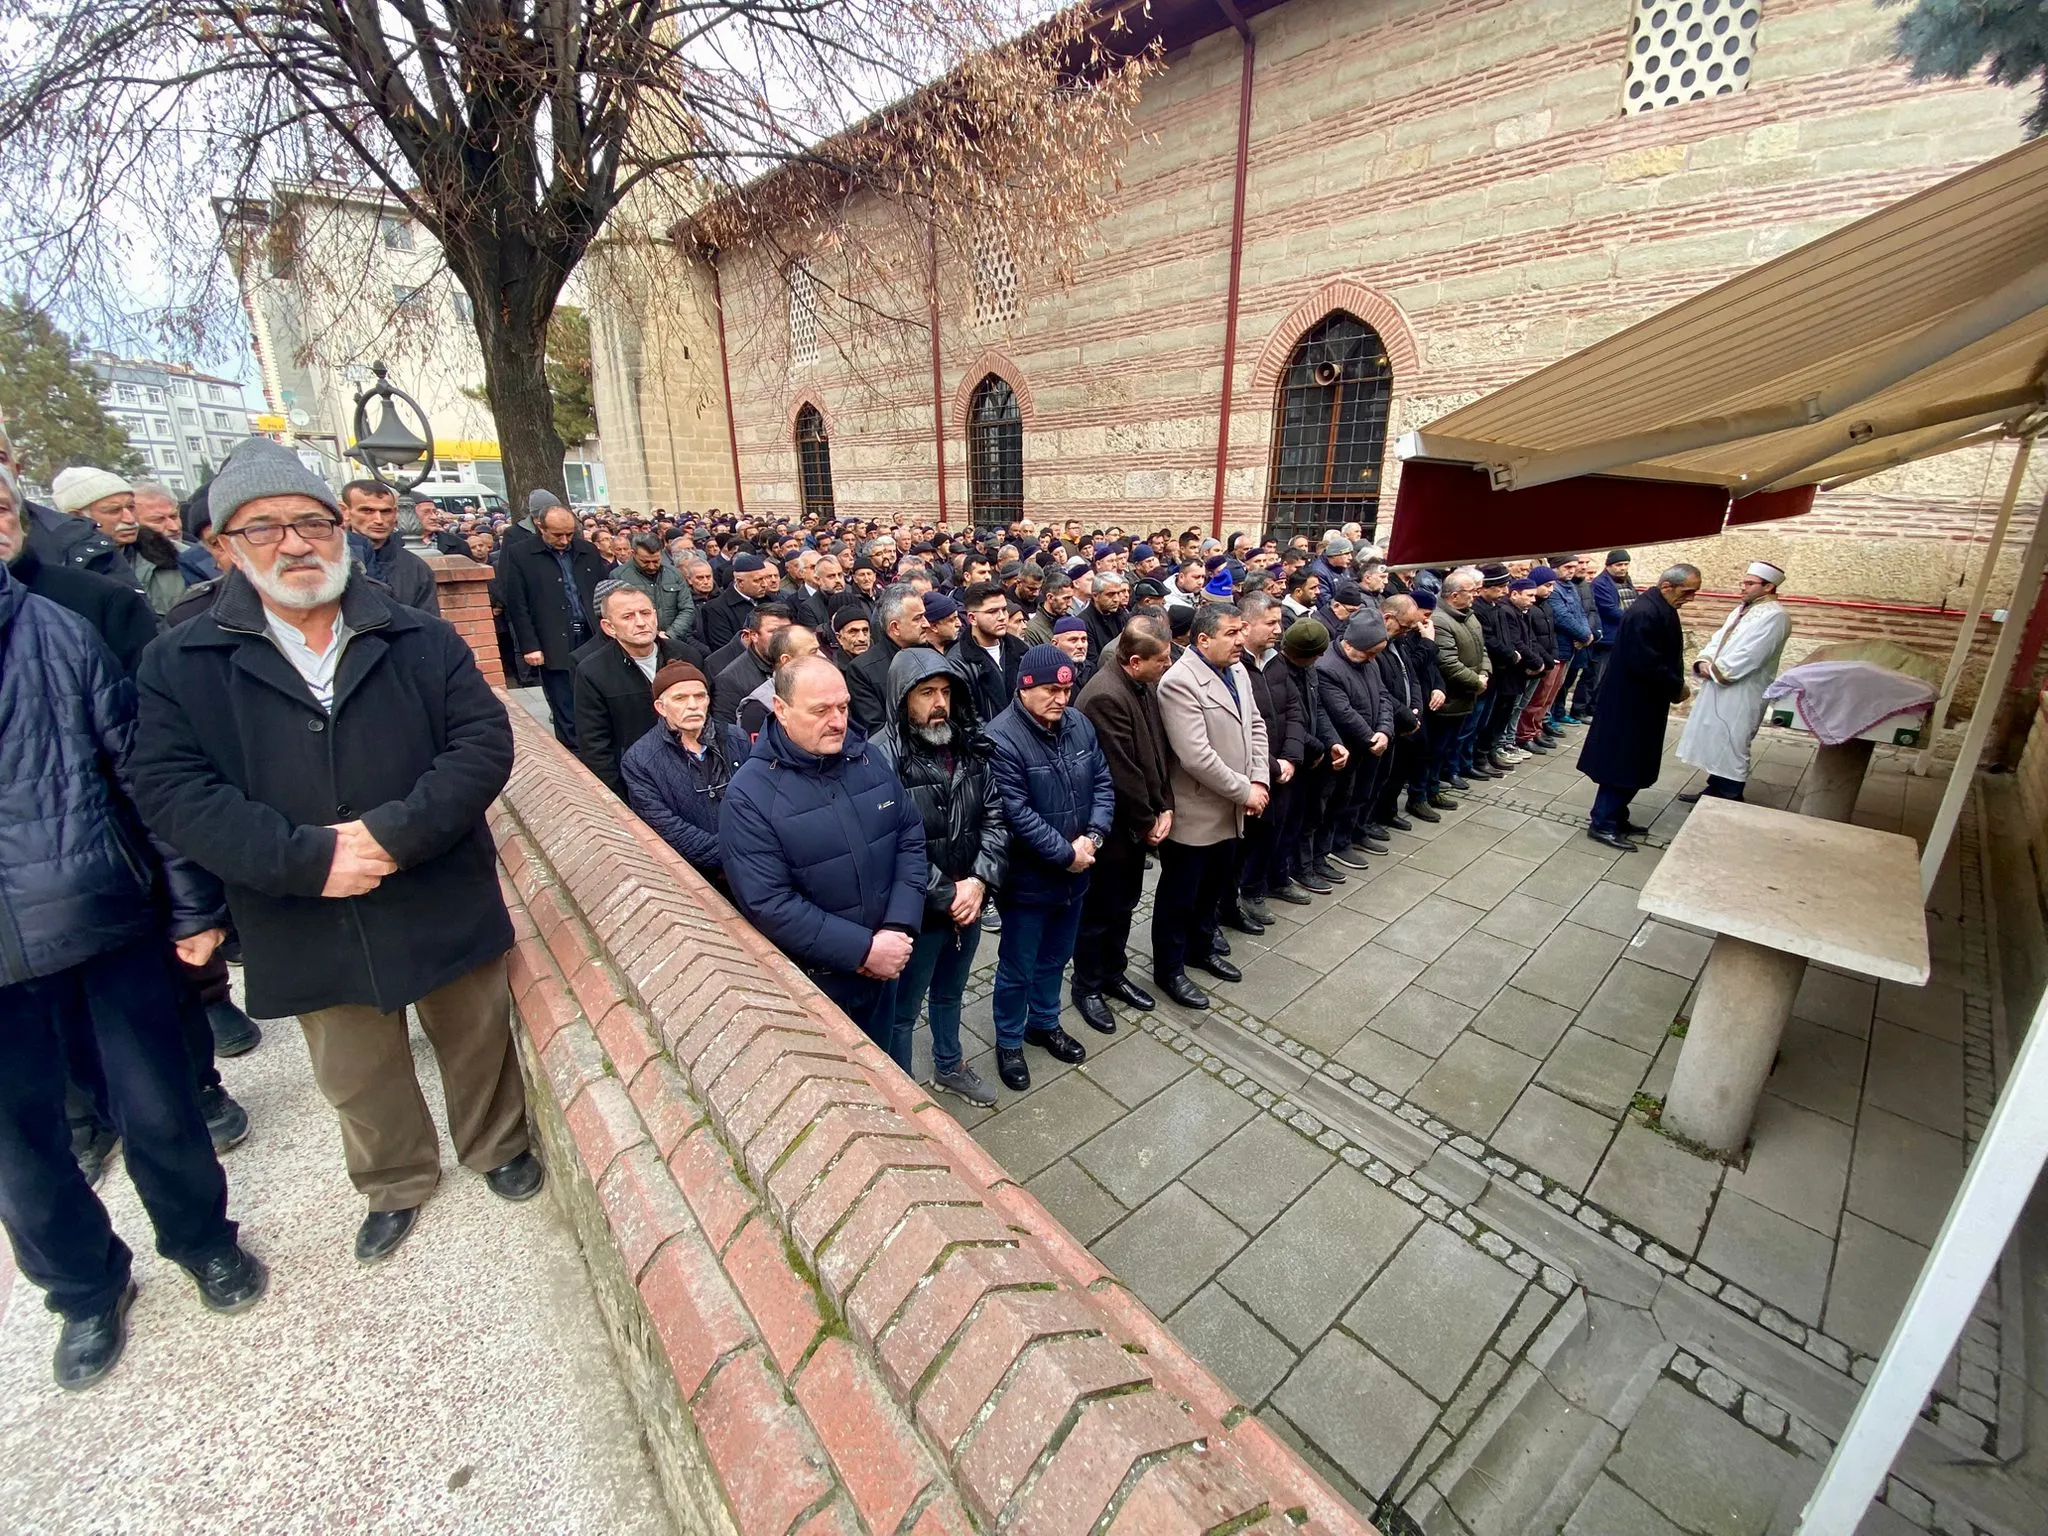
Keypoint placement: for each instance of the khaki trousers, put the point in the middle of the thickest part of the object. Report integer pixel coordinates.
(362, 1061)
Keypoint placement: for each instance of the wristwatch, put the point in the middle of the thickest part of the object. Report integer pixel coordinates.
(1096, 838)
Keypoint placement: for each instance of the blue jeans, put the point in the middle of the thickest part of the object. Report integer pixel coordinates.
(1037, 943)
(1465, 748)
(939, 963)
(62, 1238)
(871, 1004)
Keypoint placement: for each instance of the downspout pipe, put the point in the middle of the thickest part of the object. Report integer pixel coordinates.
(1244, 144)
(732, 428)
(931, 235)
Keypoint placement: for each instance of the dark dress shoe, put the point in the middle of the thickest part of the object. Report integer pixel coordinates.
(519, 1179)
(1256, 909)
(1311, 881)
(234, 1032)
(1094, 1011)
(226, 1121)
(1125, 990)
(1290, 893)
(1183, 991)
(1536, 744)
(1612, 840)
(1329, 872)
(1399, 823)
(1057, 1044)
(87, 1347)
(1486, 771)
(382, 1232)
(1456, 781)
(231, 1282)
(1420, 810)
(1218, 967)
(1372, 843)
(1236, 917)
(1444, 802)
(93, 1152)
(1222, 945)
(1630, 829)
(1691, 797)
(1350, 858)
(1011, 1069)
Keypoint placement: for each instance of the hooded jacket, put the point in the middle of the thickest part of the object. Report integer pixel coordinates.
(953, 787)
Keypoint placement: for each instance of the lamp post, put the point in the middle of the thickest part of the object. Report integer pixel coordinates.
(391, 444)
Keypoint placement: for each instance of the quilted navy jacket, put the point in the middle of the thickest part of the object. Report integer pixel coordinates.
(78, 873)
(1055, 785)
(822, 852)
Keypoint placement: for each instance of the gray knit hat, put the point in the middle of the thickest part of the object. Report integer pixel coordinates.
(1365, 631)
(259, 467)
(538, 502)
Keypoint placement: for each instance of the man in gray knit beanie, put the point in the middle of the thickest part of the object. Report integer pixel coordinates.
(259, 467)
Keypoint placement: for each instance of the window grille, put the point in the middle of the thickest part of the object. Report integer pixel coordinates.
(803, 314)
(1688, 50)
(995, 452)
(995, 281)
(397, 234)
(1330, 430)
(814, 462)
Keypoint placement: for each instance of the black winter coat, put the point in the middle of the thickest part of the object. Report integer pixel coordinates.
(722, 618)
(410, 578)
(75, 543)
(822, 853)
(1280, 702)
(614, 704)
(1645, 676)
(536, 607)
(119, 614)
(1503, 630)
(679, 795)
(1318, 735)
(240, 769)
(867, 683)
(990, 685)
(1355, 699)
(1133, 740)
(78, 873)
(1540, 629)
(953, 788)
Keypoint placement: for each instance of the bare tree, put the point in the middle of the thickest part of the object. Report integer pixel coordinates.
(513, 131)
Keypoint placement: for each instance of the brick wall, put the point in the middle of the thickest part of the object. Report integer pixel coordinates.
(837, 1314)
(464, 588)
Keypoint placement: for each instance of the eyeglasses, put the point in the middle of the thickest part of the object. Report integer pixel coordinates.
(262, 535)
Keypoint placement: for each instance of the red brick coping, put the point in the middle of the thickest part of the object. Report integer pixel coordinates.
(837, 1314)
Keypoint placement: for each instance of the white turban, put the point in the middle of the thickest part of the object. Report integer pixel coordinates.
(76, 489)
(1763, 570)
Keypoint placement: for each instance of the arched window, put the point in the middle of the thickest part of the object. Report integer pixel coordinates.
(995, 452)
(1330, 430)
(814, 462)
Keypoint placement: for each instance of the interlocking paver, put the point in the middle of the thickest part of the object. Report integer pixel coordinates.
(1303, 1271)
(1047, 1123)
(1798, 1164)
(1670, 948)
(1473, 969)
(1387, 1062)
(1903, 1175)
(1259, 1172)
(1429, 927)
(1432, 1309)
(1840, 1002)
(1611, 908)
(1393, 892)
(1423, 1021)
(1132, 1067)
(1635, 1004)
(1167, 1249)
(1820, 1069)
(1333, 1010)
(1568, 966)
(1077, 1202)
(1330, 937)
(1916, 1076)
(1532, 1025)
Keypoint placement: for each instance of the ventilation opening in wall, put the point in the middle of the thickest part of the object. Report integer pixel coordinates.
(995, 281)
(1689, 50)
(803, 315)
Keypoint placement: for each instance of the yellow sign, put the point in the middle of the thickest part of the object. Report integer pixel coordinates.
(271, 424)
(462, 448)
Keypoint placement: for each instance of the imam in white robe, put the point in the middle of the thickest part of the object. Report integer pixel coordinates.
(1742, 659)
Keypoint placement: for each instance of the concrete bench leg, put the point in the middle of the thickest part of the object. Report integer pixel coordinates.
(1835, 780)
(1746, 995)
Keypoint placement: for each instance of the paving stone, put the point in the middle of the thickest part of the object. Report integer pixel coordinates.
(1133, 1067)
(1611, 908)
(1720, 1389)
(1485, 883)
(1798, 1164)
(1274, 980)
(1392, 892)
(1249, 1357)
(1473, 969)
(1635, 1005)
(1421, 1020)
(1781, 1261)
(1657, 1081)
(1301, 1273)
(1635, 870)
(1569, 965)
(1609, 1509)
(1555, 1136)
(1170, 1247)
(1903, 1176)
(1430, 927)
(1764, 1416)
(1819, 1069)
(1332, 1011)
(1258, 1173)
(1329, 937)
(1532, 1025)
(1670, 948)
(1938, 1009)
(1433, 1309)
(1698, 1467)
(1567, 875)
(1387, 1062)
(1077, 1202)
(1534, 839)
(1357, 1409)
(1589, 1069)
(1475, 1083)
(1523, 920)
(1149, 1147)
(1453, 849)
(1844, 1003)
(1030, 1133)
(1874, 1271)
(1915, 1075)
(1657, 1185)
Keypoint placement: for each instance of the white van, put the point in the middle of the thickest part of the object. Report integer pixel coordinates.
(458, 496)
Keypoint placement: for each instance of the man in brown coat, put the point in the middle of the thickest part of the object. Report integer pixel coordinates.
(1122, 703)
(1221, 774)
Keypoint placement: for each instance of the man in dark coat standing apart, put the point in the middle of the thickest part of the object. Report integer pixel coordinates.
(550, 588)
(330, 754)
(1645, 676)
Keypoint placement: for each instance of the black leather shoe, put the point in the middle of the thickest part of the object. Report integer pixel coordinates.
(1011, 1069)
(1485, 771)
(1256, 909)
(1218, 967)
(1094, 1011)
(1351, 858)
(1329, 872)
(1290, 893)
(1444, 802)
(519, 1179)
(88, 1347)
(1456, 781)
(233, 1282)
(382, 1232)
(1399, 823)
(1630, 829)
(1536, 744)
(1222, 945)
(234, 1032)
(1057, 1044)
(1311, 881)
(226, 1121)
(1612, 840)
(1236, 917)
(1420, 810)
(1183, 991)
(1691, 797)
(1125, 990)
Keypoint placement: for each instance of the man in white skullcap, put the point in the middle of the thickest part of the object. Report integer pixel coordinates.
(1734, 668)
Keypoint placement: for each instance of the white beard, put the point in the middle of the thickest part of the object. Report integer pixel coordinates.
(282, 594)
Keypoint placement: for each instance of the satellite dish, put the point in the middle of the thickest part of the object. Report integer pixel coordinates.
(299, 418)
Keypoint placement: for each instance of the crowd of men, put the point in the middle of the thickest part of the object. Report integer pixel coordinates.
(882, 743)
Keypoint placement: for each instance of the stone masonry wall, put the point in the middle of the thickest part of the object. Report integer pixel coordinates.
(837, 1314)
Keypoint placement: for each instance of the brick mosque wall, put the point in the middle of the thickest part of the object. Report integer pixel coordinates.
(1463, 175)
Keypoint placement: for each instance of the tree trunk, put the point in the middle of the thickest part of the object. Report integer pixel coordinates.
(513, 294)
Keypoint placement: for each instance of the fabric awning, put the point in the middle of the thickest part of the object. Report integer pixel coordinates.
(1914, 331)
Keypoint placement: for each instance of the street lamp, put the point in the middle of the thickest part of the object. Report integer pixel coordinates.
(391, 444)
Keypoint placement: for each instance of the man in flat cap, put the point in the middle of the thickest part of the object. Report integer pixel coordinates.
(1733, 670)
